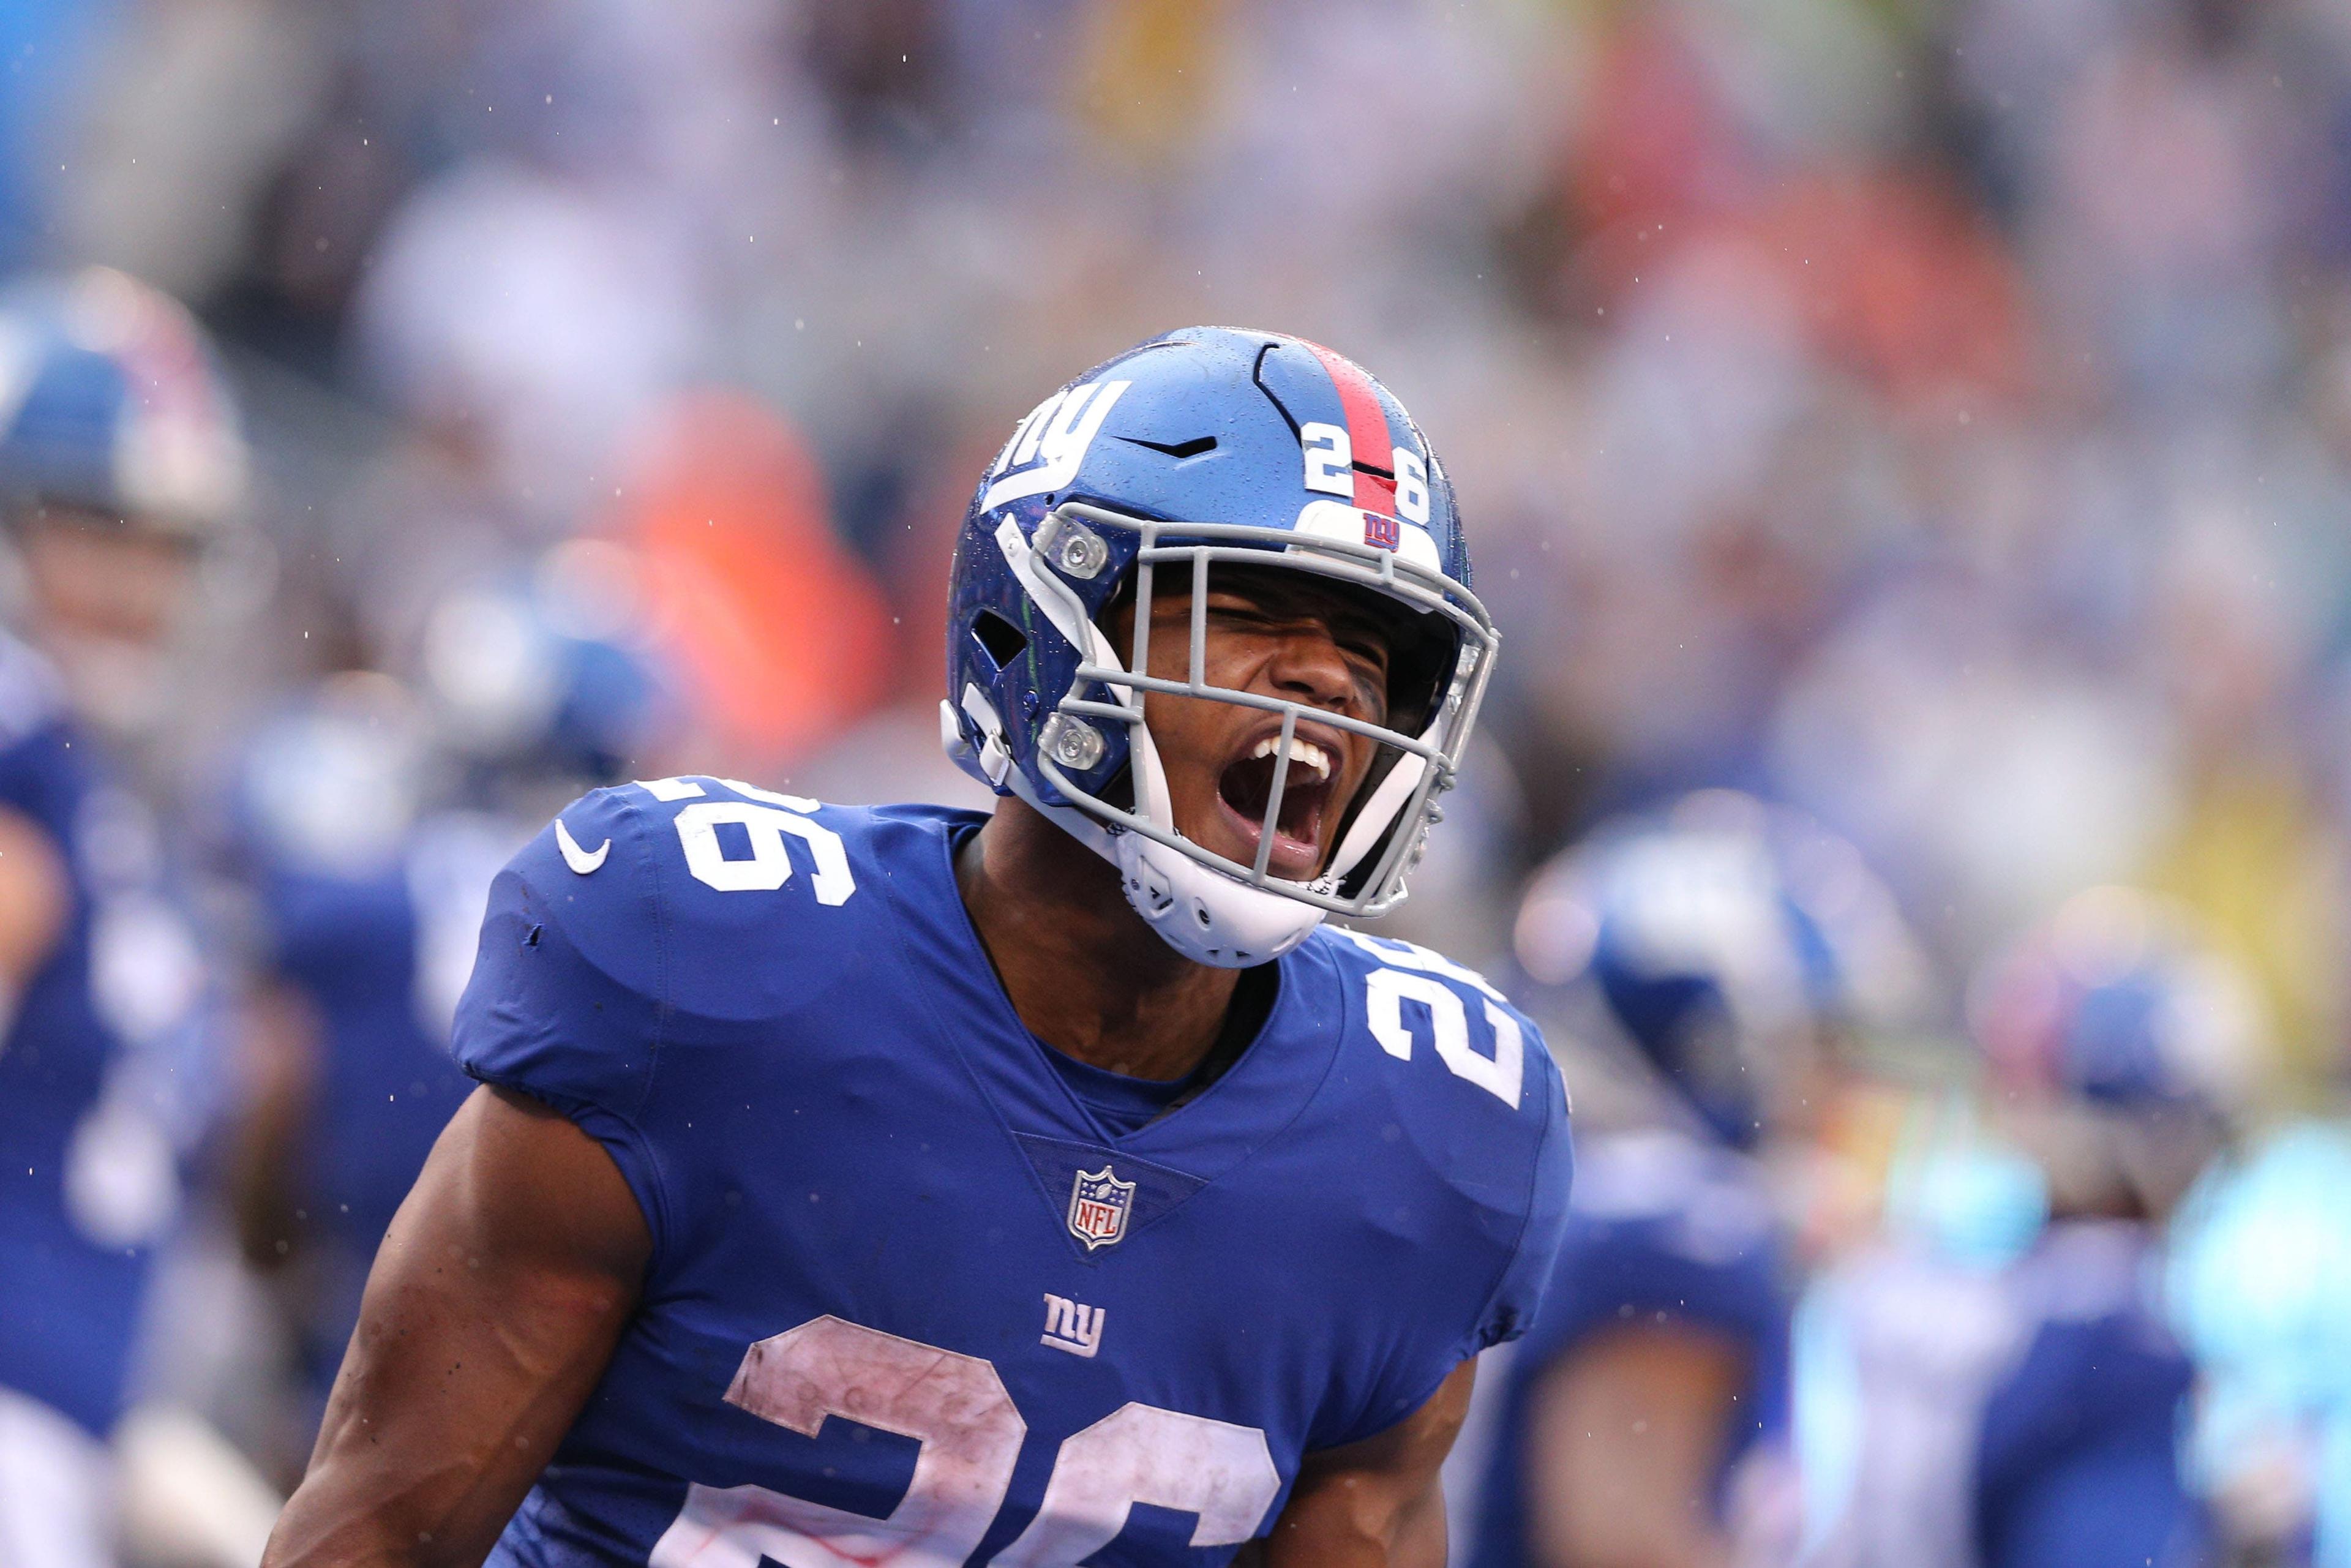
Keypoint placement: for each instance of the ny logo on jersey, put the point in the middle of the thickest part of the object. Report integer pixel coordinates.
(1073, 1326)
(1099, 1204)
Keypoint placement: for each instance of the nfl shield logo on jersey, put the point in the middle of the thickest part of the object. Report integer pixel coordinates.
(1099, 1204)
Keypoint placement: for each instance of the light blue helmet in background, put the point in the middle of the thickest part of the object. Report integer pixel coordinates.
(111, 404)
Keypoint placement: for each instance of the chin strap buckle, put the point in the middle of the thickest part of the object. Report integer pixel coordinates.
(994, 758)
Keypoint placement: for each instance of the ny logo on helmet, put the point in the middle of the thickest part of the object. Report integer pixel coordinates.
(1054, 437)
(1099, 1204)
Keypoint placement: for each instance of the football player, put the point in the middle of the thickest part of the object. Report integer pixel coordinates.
(1707, 955)
(907, 1185)
(373, 822)
(2259, 1280)
(119, 458)
(2026, 1410)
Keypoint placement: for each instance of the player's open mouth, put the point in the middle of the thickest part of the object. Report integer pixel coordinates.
(1247, 785)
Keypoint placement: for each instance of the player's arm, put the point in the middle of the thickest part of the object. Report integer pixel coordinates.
(279, 1061)
(1625, 1437)
(1374, 1504)
(34, 895)
(494, 1304)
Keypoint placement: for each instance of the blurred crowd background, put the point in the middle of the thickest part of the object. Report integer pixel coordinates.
(1931, 416)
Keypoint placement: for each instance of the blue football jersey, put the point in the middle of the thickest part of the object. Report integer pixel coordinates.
(1664, 1231)
(2077, 1461)
(105, 1068)
(1951, 1415)
(910, 1300)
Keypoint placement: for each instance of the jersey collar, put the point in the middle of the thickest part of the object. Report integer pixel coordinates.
(1266, 1090)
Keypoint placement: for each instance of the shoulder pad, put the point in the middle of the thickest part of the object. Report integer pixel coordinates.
(567, 994)
(1409, 991)
(663, 901)
(770, 903)
(1475, 1096)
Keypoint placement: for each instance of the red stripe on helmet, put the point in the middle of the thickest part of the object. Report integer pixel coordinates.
(1367, 430)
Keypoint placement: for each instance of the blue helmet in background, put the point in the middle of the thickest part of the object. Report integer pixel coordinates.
(333, 780)
(550, 676)
(1208, 445)
(2121, 1048)
(1725, 938)
(110, 403)
(2118, 1001)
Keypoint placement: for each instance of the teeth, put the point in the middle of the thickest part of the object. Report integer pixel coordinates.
(1301, 752)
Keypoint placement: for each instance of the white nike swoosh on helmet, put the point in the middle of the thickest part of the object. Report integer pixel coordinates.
(580, 860)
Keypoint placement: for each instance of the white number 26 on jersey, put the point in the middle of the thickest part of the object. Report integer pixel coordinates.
(1416, 976)
(954, 1406)
(767, 819)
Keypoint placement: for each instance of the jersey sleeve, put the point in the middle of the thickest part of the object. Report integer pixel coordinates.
(568, 998)
(1484, 1203)
(1518, 1296)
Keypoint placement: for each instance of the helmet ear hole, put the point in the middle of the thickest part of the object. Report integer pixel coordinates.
(999, 639)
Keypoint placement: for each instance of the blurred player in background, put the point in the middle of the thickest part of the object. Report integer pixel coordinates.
(2023, 1407)
(2260, 1282)
(1704, 960)
(119, 461)
(373, 818)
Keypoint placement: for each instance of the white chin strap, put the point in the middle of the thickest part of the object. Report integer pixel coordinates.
(1207, 915)
(1210, 916)
(1203, 913)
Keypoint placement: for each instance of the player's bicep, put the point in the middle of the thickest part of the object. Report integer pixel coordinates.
(494, 1305)
(1377, 1503)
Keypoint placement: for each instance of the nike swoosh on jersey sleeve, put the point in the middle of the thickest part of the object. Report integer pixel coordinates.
(580, 860)
(565, 998)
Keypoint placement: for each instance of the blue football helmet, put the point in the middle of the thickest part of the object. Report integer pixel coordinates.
(547, 677)
(1725, 939)
(333, 779)
(110, 403)
(2118, 1001)
(1208, 445)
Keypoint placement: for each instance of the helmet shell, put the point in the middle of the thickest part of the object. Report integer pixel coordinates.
(110, 400)
(1209, 425)
(2121, 1001)
(1727, 941)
